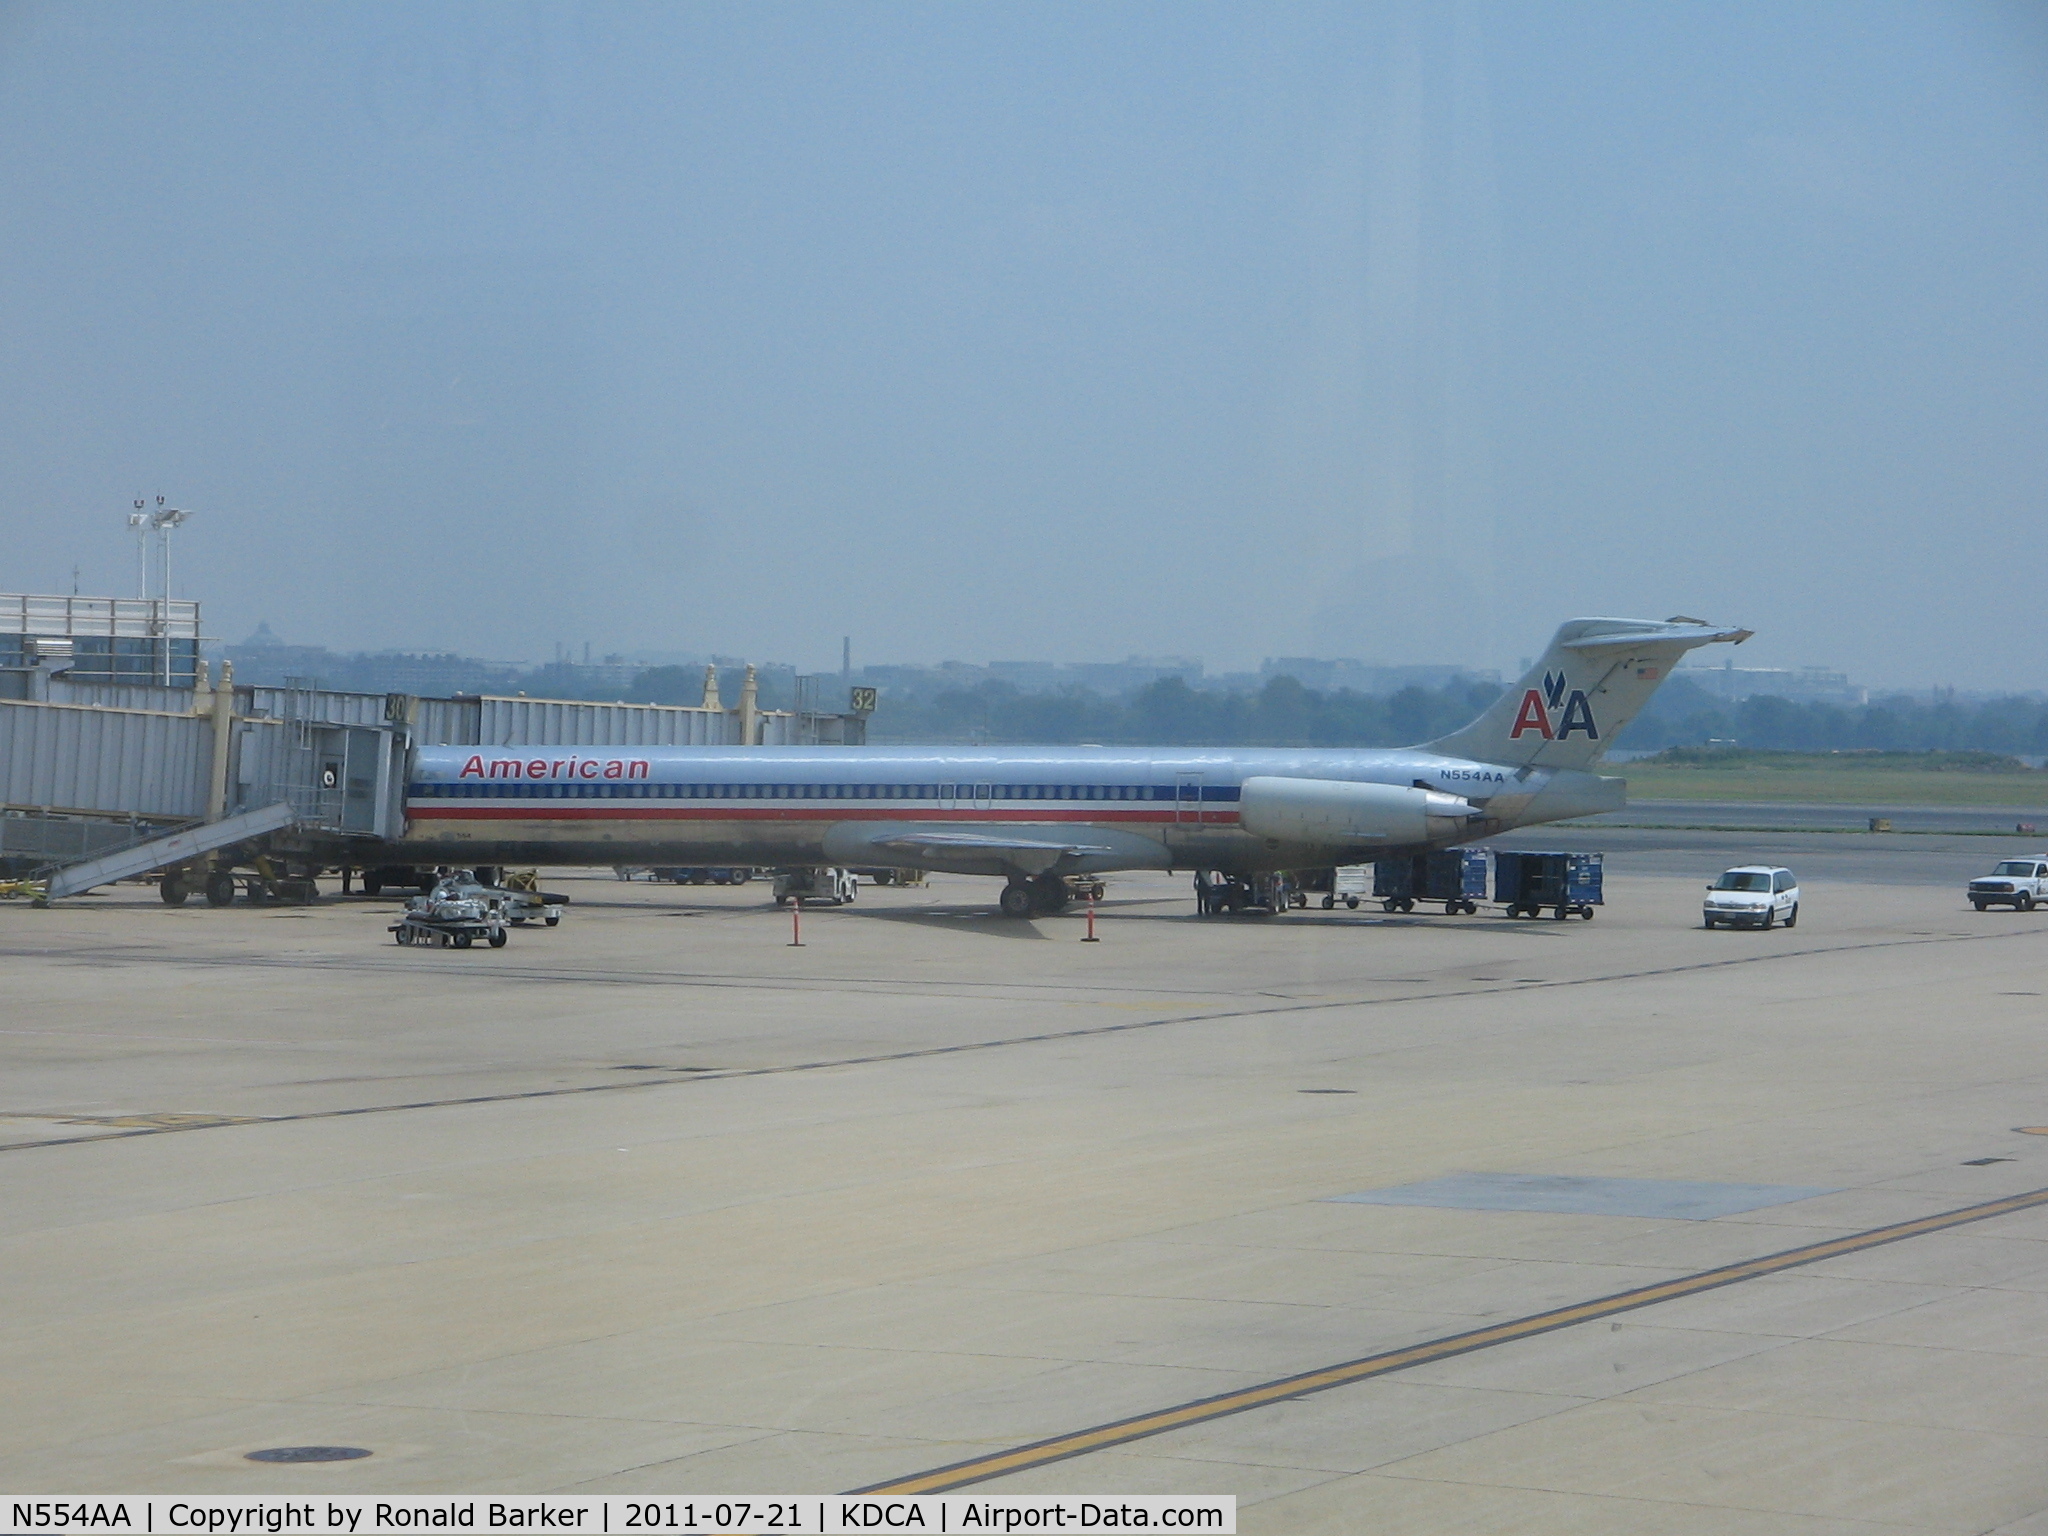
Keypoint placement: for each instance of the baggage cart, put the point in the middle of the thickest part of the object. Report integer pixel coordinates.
(1454, 876)
(1568, 884)
(1348, 883)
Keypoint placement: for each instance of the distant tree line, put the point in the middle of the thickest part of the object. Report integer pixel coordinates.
(1683, 714)
(1284, 713)
(1169, 713)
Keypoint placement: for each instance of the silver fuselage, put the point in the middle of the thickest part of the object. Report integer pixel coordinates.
(1137, 808)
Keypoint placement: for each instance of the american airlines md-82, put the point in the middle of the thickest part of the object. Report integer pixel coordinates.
(1033, 815)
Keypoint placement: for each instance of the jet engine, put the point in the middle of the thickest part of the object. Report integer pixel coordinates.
(1336, 811)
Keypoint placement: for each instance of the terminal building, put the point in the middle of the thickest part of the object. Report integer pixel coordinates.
(147, 641)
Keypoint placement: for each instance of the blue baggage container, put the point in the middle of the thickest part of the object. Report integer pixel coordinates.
(1395, 879)
(1454, 876)
(1457, 874)
(1569, 884)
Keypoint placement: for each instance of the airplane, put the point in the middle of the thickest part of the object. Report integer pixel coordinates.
(1033, 815)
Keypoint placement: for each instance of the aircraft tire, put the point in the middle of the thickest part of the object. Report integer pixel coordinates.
(220, 890)
(172, 890)
(1016, 901)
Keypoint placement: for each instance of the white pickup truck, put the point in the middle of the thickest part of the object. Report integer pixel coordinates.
(2015, 883)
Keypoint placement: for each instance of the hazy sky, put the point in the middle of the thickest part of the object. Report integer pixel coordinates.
(983, 331)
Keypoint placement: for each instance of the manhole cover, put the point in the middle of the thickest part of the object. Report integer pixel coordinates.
(292, 1453)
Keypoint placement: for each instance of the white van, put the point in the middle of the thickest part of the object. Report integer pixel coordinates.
(1753, 896)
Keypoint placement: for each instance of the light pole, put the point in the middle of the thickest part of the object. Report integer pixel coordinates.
(139, 521)
(165, 520)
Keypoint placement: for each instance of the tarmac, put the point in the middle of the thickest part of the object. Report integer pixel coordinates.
(657, 1201)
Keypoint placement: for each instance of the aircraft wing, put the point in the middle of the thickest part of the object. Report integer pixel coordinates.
(1026, 855)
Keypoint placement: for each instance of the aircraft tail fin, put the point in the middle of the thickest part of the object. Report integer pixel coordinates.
(1595, 677)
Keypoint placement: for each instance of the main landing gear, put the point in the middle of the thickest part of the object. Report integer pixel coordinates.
(1040, 896)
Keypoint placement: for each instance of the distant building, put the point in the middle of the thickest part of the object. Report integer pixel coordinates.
(1800, 685)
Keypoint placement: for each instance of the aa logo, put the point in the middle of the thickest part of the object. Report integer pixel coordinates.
(1553, 712)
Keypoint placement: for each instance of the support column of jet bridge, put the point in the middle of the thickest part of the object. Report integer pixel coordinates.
(219, 702)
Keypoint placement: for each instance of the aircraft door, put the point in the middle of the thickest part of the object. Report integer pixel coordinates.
(1187, 799)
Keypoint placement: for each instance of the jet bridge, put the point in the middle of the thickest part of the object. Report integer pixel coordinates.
(95, 774)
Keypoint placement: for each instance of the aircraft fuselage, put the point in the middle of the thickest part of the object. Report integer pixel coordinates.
(1121, 808)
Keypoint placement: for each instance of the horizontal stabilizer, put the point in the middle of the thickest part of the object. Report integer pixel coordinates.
(1660, 635)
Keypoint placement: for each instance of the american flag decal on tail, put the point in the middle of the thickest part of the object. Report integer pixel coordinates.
(1649, 674)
